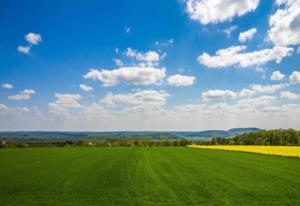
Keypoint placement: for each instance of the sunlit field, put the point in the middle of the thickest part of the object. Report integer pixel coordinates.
(289, 151)
(157, 176)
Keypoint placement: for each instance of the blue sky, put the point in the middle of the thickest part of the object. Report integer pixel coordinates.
(149, 65)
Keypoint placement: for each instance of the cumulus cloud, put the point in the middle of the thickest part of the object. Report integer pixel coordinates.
(269, 89)
(257, 101)
(285, 24)
(149, 57)
(128, 75)
(23, 95)
(181, 80)
(289, 95)
(85, 87)
(24, 49)
(233, 56)
(4, 108)
(64, 102)
(215, 11)
(277, 76)
(138, 101)
(295, 77)
(118, 62)
(218, 94)
(7, 86)
(246, 93)
(247, 35)
(33, 38)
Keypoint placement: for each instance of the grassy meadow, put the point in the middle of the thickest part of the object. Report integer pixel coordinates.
(146, 176)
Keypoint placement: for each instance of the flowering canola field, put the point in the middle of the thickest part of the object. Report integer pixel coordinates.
(289, 151)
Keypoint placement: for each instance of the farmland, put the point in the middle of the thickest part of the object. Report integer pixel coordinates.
(146, 176)
(288, 151)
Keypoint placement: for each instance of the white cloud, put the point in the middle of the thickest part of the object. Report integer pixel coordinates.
(269, 89)
(277, 76)
(33, 38)
(7, 86)
(246, 93)
(285, 24)
(148, 57)
(128, 75)
(295, 77)
(218, 94)
(233, 56)
(138, 101)
(229, 30)
(24, 49)
(257, 102)
(86, 87)
(23, 95)
(247, 35)
(215, 11)
(64, 102)
(4, 108)
(127, 29)
(118, 62)
(181, 80)
(167, 43)
(289, 95)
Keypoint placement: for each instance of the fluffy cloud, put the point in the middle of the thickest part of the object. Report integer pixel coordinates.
(269, 89)
(118, 62)
(33, 38)
(234, 56)
(24, 49)
(214, 11)
(138, 101)
(181, 80)
(285, 24)
(277, 76)
(4, 108)
(148, 57)
(64, 102)
(295, 77)
(257, 102)
(128, 75)
(7, 86)
(85, 87)
(218, 94)
(23, 95)
(247, 35)
(289, 95)
(246, 93)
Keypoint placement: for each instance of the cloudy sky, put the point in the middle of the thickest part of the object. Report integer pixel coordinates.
(149, 65)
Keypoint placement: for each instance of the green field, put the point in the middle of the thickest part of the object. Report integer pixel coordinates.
(146, 176)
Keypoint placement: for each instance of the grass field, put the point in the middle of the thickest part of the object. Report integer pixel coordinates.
(146, 176)
(288, 151)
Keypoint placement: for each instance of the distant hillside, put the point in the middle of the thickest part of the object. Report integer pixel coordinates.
(215, 133)
(125, 134)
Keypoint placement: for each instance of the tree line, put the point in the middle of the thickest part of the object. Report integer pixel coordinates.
(285, 137)
(125, 142)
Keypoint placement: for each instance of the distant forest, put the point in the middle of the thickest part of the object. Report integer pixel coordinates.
(262, 137)
(289, 137)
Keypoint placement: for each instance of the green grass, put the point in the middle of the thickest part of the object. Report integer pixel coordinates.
(146, 176)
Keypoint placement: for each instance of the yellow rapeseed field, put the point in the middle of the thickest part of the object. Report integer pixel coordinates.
(289, 151)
